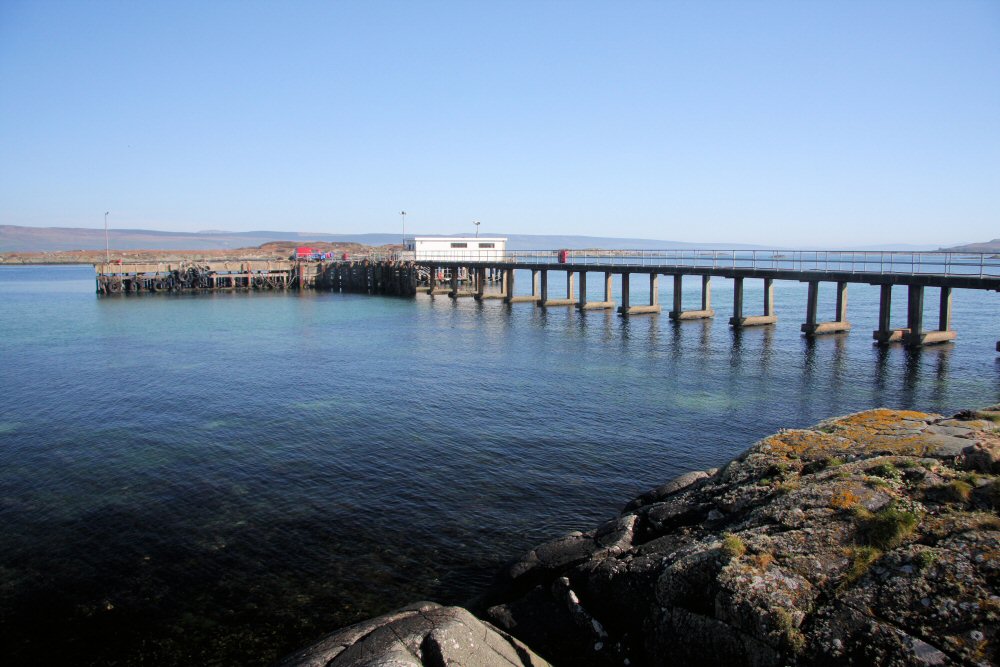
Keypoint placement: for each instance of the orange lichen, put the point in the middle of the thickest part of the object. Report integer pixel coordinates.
(844, 499)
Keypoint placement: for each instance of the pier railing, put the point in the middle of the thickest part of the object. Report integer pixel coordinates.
(862, 261)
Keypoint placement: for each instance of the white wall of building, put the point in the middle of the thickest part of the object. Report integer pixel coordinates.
(457, 248)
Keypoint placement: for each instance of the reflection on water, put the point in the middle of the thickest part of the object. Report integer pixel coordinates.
(219, 478)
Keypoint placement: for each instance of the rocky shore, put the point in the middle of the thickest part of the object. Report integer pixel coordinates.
(872, 538)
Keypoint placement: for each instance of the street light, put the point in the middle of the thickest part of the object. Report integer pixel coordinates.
(403, 214)
(107, 244)
(477, 223)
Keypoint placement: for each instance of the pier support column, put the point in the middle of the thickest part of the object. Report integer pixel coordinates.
(917, 337)
(481, 288)
(678, 313)
(885, 334)
(545, 301)
(510, 298)
(654, 297)
(596, 305)
(944, 314)
(812, 327)
(453, 293)
(738, 320)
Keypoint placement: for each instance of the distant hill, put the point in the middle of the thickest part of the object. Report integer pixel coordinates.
(15, 238)
(986, 246)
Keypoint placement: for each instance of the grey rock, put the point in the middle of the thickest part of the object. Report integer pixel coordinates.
(425, 634)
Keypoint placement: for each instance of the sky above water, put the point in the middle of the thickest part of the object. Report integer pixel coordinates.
(779, 123)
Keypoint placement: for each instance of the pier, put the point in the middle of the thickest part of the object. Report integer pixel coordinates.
(405, 274)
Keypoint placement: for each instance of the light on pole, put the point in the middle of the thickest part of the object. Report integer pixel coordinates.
(403, 215)
(107, 243)
(477, 223)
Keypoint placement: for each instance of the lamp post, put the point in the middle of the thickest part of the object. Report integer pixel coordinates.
(477, 223)
(107, 243)
(403, 215)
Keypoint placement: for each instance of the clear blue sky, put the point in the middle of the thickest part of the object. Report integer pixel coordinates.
(781, 123)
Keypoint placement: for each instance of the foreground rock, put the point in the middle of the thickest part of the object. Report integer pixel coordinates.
(421, 634)
(872, 538)
(869, 539)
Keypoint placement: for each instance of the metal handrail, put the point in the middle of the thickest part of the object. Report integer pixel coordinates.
(824, 261)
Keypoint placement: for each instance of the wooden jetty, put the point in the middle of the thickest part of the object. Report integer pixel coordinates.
(406, 274)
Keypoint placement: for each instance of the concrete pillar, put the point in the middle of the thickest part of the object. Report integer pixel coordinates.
(608, 285)
(885, 307)
(885, 333)
(842, 301)
(915, 309)
(508, 284)
(625, 292)
(534, 282)
(481, 281)
(432, 281)
(582, 303)
(812, 326)
(811, 302)
(654, 289)
(544, 286)
(706, 293)
(569, 284)
(739, 320)
(915, 313)
(944, 313)
(678, 292)
(737, 298)
(454, 283)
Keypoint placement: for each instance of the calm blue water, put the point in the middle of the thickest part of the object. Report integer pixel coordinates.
(218, 478)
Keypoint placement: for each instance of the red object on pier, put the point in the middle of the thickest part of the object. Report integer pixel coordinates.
(346, 256)
(563, 256)
(304, 252)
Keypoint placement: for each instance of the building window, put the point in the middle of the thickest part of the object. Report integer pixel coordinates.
(485, 245)
(459, 245)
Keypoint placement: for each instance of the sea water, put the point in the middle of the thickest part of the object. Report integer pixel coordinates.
(220, 478)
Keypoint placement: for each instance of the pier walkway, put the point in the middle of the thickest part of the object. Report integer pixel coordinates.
(406, 273)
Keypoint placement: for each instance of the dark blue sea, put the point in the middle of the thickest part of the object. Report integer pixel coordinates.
(220, 478)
